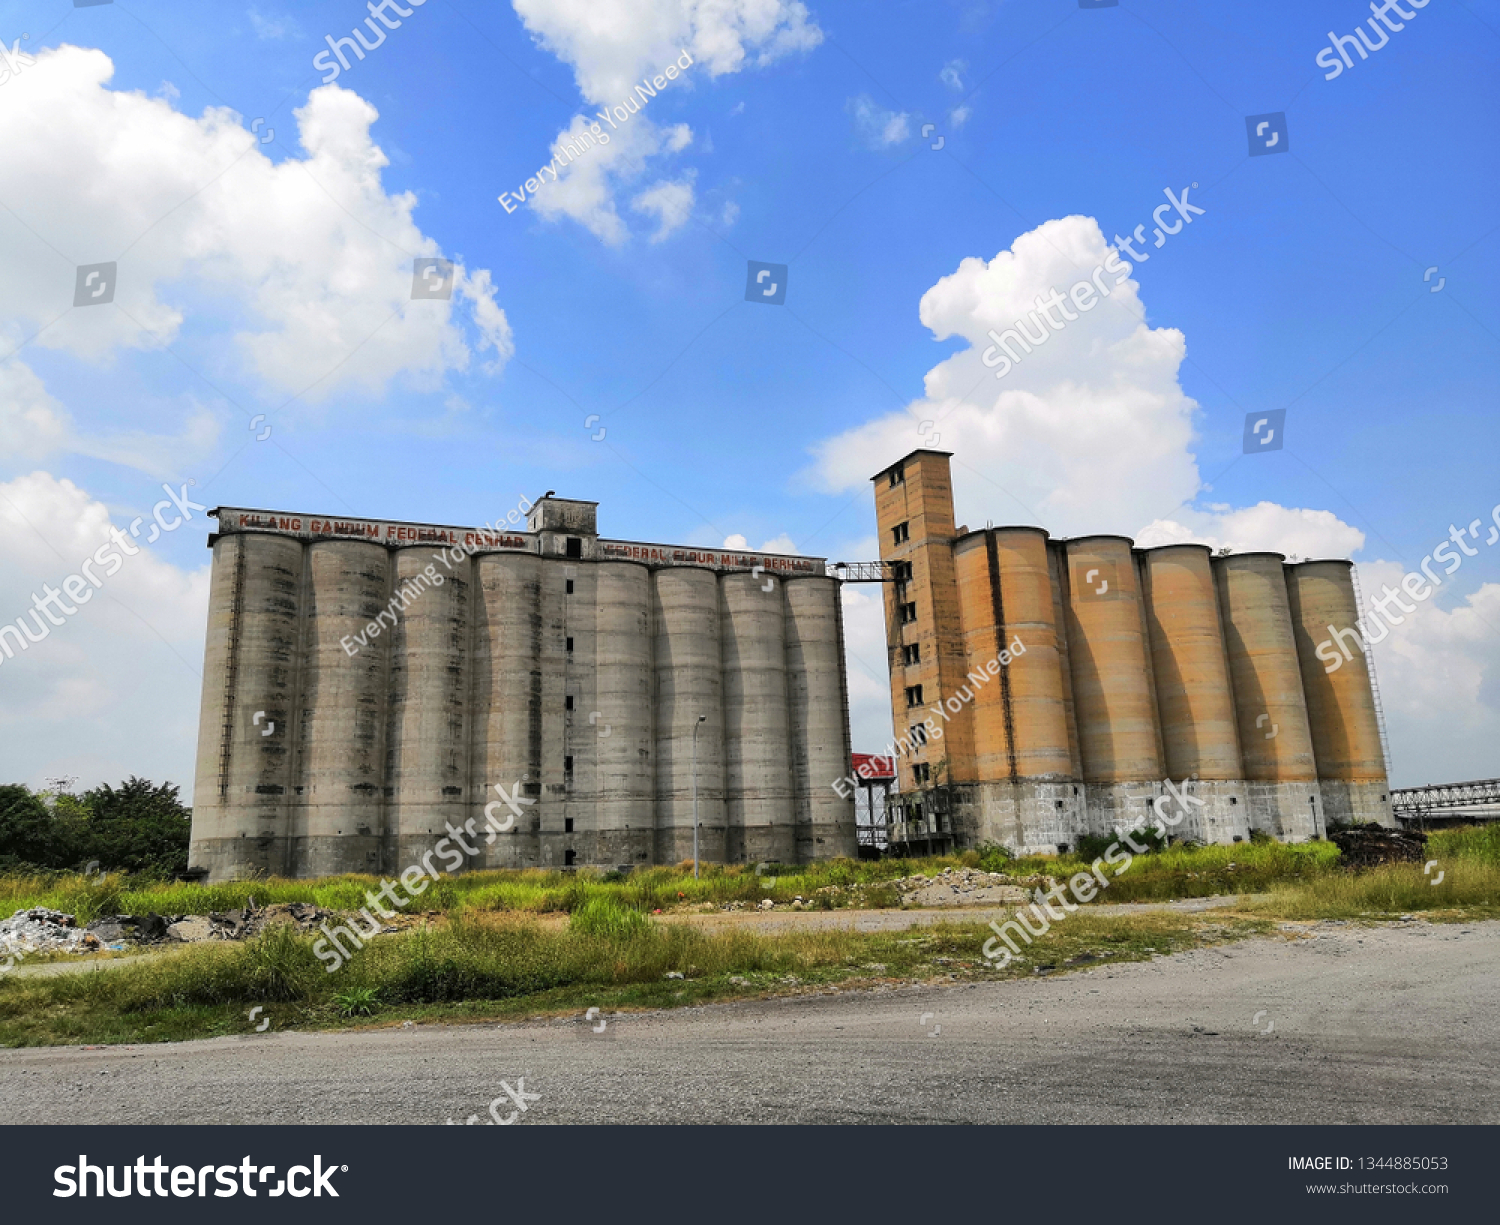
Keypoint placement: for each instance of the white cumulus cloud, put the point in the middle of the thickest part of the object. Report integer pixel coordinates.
(777, 544)
(610, 49)
(309, 259)
(114, 689)
(1439, 676)
(1090, 431)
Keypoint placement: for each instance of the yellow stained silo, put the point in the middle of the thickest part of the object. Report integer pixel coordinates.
(1340, 699)
(1275, 740)
(1112, 684)
(1200, 737)
(1017, 688)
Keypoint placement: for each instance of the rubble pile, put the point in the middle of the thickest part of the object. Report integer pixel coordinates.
(968, 887)
(950, 887)
(1370, 846)
(40, 930)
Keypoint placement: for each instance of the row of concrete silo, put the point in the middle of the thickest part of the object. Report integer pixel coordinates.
(583, 681)
(1143, 666)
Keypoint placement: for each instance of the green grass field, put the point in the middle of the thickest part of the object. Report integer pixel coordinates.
(484, 950)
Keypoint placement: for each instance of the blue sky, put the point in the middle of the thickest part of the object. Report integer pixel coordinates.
(266, 279)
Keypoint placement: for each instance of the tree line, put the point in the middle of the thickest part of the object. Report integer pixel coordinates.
(138, 827)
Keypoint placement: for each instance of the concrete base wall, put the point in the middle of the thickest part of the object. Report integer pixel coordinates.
(1029, 817)
(831, 839)
(1117, 806)
(1037, 818)
(1357, 803)
(336, 854)
(239, 858)
(1288, 812)
(764, 844)
(611, 848)
(1222, 816)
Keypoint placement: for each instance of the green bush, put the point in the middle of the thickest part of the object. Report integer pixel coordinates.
(139, 827)
(993, 857)
(360, 1002)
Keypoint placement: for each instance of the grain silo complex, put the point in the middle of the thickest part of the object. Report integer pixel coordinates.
(368, 685)
(1124, 669)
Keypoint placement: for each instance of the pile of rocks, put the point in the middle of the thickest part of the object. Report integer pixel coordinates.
(968, 887)
(1369, 846)
(239, 924)
(40, 930)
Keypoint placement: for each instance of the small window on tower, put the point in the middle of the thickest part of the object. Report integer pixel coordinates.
(908, 613)
(898, 475)
(567, 765)
(570, 586)
(575, 547)
(570, 644)
(567, 825)
(568, 702)
(901, 533)
(913, 695)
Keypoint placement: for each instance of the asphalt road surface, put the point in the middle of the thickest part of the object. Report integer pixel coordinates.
(1394, 1024)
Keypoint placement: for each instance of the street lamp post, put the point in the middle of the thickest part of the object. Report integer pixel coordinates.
(701, 720)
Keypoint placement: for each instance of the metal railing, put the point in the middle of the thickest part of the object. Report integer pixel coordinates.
(863, 571)
(1446, 798)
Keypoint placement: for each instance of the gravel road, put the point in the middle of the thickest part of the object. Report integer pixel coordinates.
(1323, 1023)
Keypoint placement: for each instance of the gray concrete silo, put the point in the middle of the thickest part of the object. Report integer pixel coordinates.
(427, 768)
(817, 720)
(761, 823)
(624, 732)
(251, 672)
(338, 806)
(689, 684)
(507, 728)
